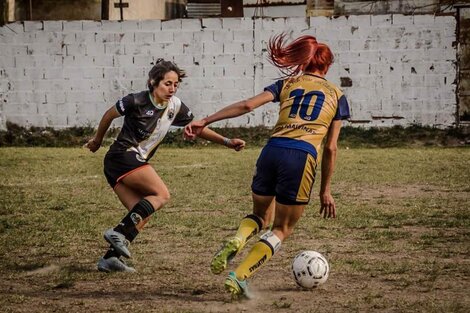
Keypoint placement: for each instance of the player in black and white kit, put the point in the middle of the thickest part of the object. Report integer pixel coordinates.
(148, 116)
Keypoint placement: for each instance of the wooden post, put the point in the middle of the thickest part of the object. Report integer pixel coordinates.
(105, 9)
(3, 12)
(121, 5)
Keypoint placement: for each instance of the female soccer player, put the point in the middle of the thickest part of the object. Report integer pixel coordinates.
(148, 116)
(310, 109)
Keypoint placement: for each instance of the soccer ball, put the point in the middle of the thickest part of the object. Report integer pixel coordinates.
(310, 269)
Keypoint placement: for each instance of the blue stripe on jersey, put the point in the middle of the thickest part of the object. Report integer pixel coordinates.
(275, 89)
(293, 144)
(342, 112)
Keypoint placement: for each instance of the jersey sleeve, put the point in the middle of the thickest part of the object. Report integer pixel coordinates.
(275, 89)
(184, 116)
(124, 105)
(342, 112)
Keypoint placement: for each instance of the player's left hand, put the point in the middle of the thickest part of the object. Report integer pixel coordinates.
(194, 129)
(328, 206)
(236, 144)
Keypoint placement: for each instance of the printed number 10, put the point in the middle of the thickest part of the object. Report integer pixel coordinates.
(303, 100)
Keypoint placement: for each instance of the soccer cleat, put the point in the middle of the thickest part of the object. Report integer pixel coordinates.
(225, 254)
(118, 241)
(114, 264)
(237, 288)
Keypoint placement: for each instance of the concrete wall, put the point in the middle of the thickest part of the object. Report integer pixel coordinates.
(54, 10)
(19, 10)
(148, 9)
(346, 7)
(394, 69)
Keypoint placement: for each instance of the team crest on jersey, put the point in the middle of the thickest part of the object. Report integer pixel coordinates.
(149, 113)
(171, 113)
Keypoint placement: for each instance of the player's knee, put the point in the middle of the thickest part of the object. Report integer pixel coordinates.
(159, 200)
(164, 198)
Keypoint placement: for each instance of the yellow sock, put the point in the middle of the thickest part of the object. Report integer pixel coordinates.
(261, 252)
(250, 225)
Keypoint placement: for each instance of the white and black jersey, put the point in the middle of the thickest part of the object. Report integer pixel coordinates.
(146, 124)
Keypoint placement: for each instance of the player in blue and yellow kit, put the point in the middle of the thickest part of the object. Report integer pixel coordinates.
(148, 116)
(310, 109)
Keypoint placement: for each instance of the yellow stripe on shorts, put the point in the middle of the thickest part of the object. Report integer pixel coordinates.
(308, 178)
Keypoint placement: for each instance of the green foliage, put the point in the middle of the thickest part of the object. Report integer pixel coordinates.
(398, 136)
(353, 137)
(44, 137)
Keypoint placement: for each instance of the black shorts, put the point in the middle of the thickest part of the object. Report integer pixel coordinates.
(286, 173)
(118, 164)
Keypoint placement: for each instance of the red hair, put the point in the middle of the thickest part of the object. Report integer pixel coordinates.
(304, 54)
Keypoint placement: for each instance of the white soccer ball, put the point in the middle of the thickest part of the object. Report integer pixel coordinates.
(310, 269)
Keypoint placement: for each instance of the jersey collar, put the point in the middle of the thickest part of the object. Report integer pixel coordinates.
(311, 74)
(158, 106)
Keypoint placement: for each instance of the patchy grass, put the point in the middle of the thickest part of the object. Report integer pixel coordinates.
(399, 244)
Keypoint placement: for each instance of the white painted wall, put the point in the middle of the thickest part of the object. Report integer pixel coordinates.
(63, 74)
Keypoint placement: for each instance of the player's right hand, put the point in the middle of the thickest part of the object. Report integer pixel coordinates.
(328, 206)
(236, 144)
(92, 145)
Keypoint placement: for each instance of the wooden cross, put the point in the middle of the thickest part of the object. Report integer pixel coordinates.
(121, 5)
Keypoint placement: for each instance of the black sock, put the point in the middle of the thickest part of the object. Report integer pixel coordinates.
(140, 211)
(110, 253)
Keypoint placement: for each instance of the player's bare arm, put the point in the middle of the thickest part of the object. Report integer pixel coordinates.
(239, 108)
(234, 143)
(95, 143)
(328, 206)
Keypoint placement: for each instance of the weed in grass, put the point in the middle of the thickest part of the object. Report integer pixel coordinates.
(282, 304)
(372, 297)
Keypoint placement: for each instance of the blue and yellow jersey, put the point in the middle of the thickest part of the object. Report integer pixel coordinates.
(308, 105)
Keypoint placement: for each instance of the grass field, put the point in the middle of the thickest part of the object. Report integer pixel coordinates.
(401, 242)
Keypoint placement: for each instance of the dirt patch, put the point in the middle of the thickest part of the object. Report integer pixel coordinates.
(395, 247)
(173, 277)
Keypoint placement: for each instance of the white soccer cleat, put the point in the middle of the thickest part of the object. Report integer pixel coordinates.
(114, 264)
(118, 241)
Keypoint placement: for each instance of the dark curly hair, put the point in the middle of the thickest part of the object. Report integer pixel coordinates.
(159, 70)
